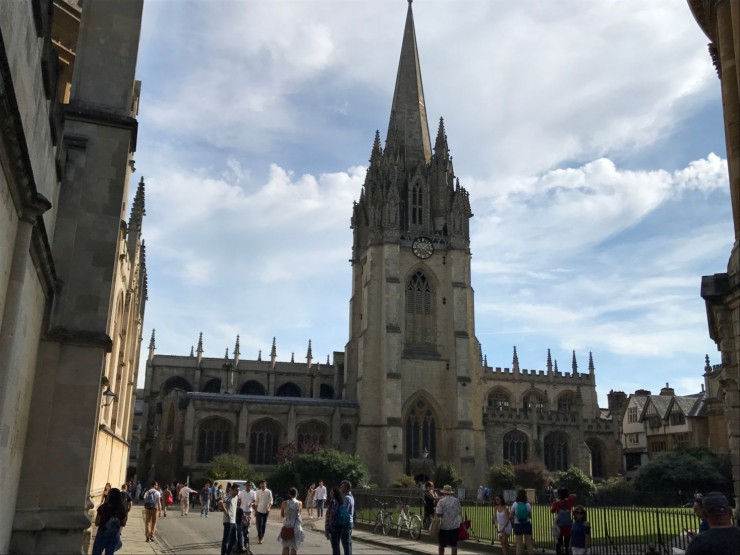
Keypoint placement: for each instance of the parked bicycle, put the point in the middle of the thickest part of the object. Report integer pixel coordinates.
(407, 519)
(383, 519)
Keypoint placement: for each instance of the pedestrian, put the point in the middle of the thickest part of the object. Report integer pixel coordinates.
(138, 490)
(152, 502)
(218, 496)
(502, 521)
(104, 496)
(561, 508)
(165, 501)
(310, 496)
(127, 501)
(337, 521)
(110, 519)
(722, 538)
(448, 509)
(580, 532)
(521, 513)
(320, 499)
(229, 506)
(247, 499)
(184, 494)
(205, 499)
(263, 502)
(291, 534)
(430, 501)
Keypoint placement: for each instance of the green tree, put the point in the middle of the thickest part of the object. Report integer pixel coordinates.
(329, 465)
(228, 465)
(575, 481)
(501, 478)
(404, 481)
(531, 475)
(445, 474)
(675, 476)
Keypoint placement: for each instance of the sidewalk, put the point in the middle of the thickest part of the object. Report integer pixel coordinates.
(132, 535)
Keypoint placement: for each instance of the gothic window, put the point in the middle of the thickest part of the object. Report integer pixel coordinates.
(556, 451)
(499, 399)
(419, 310)
(212, 386)
(289, 389)
(214, 438)
(421, 433)
(263, 440)
(566, 402)
(252, 387)
(516, 447)
(310, 436)
(534, 401)
(632, 415)
(417, 205)
(597, 457)
(326, 391)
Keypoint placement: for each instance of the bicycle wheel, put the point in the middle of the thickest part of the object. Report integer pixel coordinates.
(415, 527)
(399, 526)
(378, 522)
(387, 522)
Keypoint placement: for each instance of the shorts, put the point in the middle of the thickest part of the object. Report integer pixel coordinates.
(448, 538)
(523, 528)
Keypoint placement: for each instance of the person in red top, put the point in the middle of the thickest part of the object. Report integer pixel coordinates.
(561, 508)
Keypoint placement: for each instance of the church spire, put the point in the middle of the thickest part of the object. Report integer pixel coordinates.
(574, 364)
(408, 111)
(273, 354)
(152, 346)
(549, 362)
(237, 352)
(200, 347)
(591, 367)
(309, 355)
(515, 361)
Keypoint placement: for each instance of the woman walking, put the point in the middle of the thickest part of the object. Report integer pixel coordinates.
(502, 520)
(310, 496)
(110, 519)
(290, 510)
(521, 513)
(448, 509)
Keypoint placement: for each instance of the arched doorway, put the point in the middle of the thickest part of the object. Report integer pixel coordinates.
(421, 434)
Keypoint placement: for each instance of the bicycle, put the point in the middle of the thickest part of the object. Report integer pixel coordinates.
(383, 518)
(407, 519)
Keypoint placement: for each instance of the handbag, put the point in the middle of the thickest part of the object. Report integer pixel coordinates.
(462, 531)
(286, 533)
(434, 527)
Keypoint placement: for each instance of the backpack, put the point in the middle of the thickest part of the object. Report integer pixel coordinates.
(113, 526)
(564, 518)
(169, 498)
(522, 514)
(342, 518)
(150, 499)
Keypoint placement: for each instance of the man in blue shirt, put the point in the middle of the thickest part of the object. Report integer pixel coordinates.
(349, 503)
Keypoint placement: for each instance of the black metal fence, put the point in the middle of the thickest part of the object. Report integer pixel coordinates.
(614, 530)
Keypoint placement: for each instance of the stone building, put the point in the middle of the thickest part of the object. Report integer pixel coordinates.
(720, 21)
(72, 270)
(411, 389)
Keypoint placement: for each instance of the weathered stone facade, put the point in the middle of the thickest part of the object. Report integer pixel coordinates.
(720, 21)
(72, 272)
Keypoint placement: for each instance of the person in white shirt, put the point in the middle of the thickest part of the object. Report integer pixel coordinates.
(229, 506)
(247, 498)
(320, 497)
(184, 493)
(263, 504)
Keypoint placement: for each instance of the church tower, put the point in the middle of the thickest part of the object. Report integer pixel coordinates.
(412, 358)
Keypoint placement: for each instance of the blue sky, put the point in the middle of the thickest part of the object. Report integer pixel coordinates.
(589, 135)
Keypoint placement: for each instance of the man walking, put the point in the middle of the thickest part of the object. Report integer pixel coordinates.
(320, 499)
(349, 503)
(184, 493)
(263, 502)
(247, 498)
(228, 506)
(205, 499)
(152, 503)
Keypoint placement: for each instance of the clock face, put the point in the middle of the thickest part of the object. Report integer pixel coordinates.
(422, 247)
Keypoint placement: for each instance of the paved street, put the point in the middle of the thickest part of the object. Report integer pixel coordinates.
(194, 534)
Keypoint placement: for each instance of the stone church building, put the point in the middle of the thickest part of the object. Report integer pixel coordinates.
(411, 388)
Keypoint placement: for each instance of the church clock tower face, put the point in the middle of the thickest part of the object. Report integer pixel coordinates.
(422, 247)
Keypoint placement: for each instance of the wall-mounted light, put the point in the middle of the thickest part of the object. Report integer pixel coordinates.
(108, 397)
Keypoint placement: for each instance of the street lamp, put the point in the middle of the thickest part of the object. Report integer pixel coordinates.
(108, 397)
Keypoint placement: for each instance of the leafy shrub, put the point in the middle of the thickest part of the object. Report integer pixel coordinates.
(228, 465)
(531, 475)
(575, 481)
(501, 478)
(445, 474)
(616, 490)
(404, 481)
